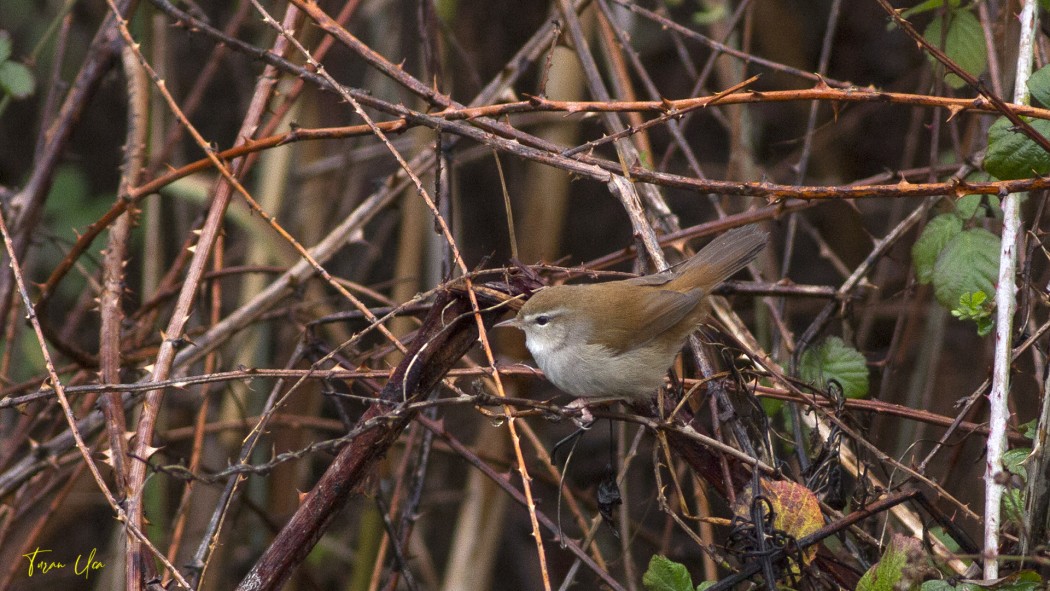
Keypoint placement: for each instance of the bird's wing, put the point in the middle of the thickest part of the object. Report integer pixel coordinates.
(660, 278)
(665, 309)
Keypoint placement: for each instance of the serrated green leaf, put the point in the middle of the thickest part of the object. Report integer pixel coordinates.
(976, 299)
(1029, 429)
(16, 80)
(973, 306)
(1039, 85)
(985, 326)
(705, 585)
(1012, 155)
(664, 574)
(1012, 506)
(968, 263)
(5, 46)
(968, 207)
(937, 233)
(963, 43)
(883, 576)
(835, 360)
(1013, 461)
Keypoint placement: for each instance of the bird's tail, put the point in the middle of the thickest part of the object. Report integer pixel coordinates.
(720, 259)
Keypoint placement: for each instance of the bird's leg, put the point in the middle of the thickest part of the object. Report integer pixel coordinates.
(583, 406)
(585, 418)
(583, 421)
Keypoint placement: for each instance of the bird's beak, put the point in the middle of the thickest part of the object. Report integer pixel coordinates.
(514, 322)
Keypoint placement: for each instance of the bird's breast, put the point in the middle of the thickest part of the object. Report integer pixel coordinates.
(592, 371)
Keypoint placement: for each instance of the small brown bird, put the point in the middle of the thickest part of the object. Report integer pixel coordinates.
(618, 339)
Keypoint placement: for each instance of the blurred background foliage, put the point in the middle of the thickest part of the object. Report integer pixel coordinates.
(467, 534)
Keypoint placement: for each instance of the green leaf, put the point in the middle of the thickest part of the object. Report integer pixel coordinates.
(664, 574)
(1029, 429)
(1012, 155)
(835, 360)
(884, 575)
(929, 5)
(1025, 580)
(5, 46)
(968, 263)
(939, 585)
(976, 307)
(1013, 461)
(710, 16)
(16, 80)
(70, 206)
(964, 43)
(705, 585)
(968, 207)
(974, 300)
(1039, 85)
(1012, 506)
(771, 406)
(937, 233)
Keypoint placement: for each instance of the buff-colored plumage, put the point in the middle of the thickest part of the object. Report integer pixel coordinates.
(617, 339)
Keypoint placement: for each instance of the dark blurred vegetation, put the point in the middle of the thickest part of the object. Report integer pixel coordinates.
(456, 529)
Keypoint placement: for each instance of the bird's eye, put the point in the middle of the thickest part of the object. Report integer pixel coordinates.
(543, 320)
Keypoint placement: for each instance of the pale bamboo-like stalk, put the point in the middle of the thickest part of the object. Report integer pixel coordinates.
(1006, 305)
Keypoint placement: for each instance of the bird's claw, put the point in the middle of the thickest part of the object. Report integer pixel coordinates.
(585, 419)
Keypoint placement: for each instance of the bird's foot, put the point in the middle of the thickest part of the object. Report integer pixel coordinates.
(584, 419)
